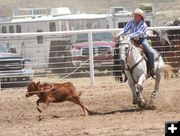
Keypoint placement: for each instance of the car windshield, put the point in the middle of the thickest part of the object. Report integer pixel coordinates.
(2, 49)
(102, 37)
(96, 37)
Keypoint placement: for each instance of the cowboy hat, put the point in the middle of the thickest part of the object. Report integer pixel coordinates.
(139, 12)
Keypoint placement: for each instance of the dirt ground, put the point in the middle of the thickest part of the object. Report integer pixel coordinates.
(111, 102)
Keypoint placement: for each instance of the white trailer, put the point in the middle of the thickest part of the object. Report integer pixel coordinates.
(119, 16)
(30, 20)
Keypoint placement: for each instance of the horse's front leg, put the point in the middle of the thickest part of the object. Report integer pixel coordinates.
(141, 80)
(134, 91)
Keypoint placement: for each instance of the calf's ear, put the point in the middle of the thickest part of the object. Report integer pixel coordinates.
(38, 85)
(31, 85)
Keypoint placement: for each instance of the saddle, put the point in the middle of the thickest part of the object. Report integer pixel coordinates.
(141, 50)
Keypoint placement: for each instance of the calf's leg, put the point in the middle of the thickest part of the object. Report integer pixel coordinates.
(46, 104)
(37, 103)
(77, 100)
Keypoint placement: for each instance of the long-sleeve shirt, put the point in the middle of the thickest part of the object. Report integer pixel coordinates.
(135, 30)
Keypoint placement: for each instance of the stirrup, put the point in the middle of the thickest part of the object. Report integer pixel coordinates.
(151, 73)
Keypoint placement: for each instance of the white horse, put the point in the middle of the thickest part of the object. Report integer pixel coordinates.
(136, 71)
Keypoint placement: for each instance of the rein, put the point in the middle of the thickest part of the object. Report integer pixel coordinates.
(40, 91)
(132, 68)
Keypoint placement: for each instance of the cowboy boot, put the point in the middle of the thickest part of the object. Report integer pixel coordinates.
(151, 72)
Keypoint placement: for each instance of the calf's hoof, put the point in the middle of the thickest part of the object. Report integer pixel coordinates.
(39, 110)
(84, 115)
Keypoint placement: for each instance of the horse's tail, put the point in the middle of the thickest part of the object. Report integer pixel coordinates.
(168, 73)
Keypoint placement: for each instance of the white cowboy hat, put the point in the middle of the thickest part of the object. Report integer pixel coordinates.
(139, 12)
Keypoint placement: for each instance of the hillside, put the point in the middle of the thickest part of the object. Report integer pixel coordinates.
(163, 8)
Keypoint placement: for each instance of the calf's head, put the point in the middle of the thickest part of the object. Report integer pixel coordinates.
(32, 88)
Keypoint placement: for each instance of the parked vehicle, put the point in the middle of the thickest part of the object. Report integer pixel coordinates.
(14, 70)
(103, 48)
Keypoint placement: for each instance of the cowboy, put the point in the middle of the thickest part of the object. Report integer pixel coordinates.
(136, 29)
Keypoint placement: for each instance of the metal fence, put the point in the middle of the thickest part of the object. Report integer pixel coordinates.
(52, 60)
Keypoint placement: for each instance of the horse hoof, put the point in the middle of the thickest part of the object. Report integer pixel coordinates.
(142, 104)
(134, 101)
(146, 106)
(153, 107)
(151, 101)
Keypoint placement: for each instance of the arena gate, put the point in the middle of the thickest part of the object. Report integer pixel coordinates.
(169, 51)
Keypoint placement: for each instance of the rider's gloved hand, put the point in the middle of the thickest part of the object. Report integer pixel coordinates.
(128, 38)
(116, 38)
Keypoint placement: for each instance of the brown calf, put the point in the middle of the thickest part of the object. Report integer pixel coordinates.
(55, 92)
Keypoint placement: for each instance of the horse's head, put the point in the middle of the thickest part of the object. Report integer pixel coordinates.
(124, 47)
(32, 88)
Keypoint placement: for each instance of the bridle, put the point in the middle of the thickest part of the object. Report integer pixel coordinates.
(128, 68)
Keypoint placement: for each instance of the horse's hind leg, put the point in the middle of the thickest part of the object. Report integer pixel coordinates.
(156, 88)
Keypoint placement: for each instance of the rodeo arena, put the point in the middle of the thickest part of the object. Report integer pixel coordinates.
(61, 74)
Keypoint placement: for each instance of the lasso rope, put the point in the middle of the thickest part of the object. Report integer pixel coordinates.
(81, 65)
(52, 87)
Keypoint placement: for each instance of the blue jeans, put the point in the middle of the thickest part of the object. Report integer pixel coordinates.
(149, 51)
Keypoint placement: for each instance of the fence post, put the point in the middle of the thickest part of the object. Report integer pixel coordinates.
(91, 58)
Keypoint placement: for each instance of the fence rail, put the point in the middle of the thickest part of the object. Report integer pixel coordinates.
(55, 61)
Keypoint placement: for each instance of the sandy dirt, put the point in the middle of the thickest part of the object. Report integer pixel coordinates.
(111, 101)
